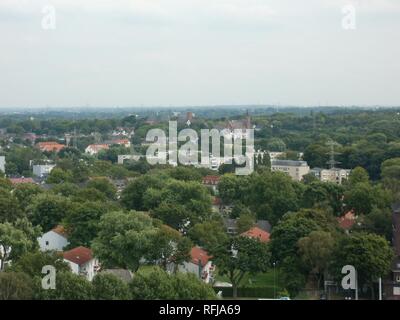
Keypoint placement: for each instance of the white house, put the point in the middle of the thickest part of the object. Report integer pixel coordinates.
(41, 170)
(200, 264)
(82, 262)
(55, 239)
(96, 148)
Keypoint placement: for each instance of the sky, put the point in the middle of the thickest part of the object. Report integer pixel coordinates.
(68, 53)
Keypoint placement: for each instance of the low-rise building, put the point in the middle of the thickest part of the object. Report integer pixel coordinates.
(55, 239)
(93, 149)
(50, 146)
(40, 170)
(200, 264)
(82, 262)
(257, 233)
(295, 169)
(335, 175)
(211, 182)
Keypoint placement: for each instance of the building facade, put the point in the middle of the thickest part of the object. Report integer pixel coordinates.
(295, 169)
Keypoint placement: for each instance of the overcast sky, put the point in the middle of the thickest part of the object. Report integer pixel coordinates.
(198, 52)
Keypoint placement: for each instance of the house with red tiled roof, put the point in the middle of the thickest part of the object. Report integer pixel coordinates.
(122, 142)
(199, 264)
(16, 181)
(50, 146)
(82, 262)
(257, 233)
(56, 239)
(211, 182)
(347, 221)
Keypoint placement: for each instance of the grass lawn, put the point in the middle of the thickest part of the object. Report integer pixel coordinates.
(261, 280)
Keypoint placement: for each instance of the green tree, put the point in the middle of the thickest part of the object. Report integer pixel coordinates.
(169, 246)
(109, 287)
(161, 286)
(48, 210)
(370, 254)
(82, 222)
(69, 286)
(24, 193)
(13, 243)
(293, 226)
(358, 175)
(31, 263)
(240, 256)
(124, 238)
(9, 207)
(208, 234)
(103, 185)
(316, 252)
(15, 286)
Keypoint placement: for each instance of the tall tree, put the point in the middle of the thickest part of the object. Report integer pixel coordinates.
(123, 239)
(240, 256)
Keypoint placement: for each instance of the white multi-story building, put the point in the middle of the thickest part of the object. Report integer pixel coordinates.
(335, 175)
(295, 169)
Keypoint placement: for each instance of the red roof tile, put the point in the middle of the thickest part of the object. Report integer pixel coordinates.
(21, 180)
(198, 254)
(347, 221)
(211, 180)
(60, 230)
(78, 255)
(257, 233)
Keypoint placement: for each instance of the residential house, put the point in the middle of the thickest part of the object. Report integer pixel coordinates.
(94, 149)
(257, 233)
(211, 182)
(200, 264)
(295, 169)
(41, 170)
(50, 146)
(55, 239)
(231, 225)
(82, 262)
(121, 142)
(21, 180)
(347, 221)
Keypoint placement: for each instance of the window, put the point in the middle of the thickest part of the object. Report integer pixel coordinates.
(398, 278)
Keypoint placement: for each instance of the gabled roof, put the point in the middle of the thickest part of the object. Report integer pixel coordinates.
(198, 254)
(78, 255)
(347, 221)
(257, 233)
(61, 231)
(50, 146)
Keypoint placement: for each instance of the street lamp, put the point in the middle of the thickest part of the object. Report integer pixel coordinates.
(274, 264)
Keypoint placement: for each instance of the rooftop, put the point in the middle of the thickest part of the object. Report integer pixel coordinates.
(78, 255)
(289, 163)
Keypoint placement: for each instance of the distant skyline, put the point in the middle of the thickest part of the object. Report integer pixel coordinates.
(136, 53)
